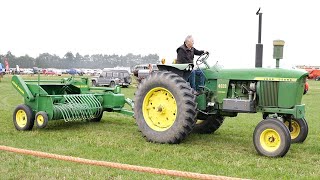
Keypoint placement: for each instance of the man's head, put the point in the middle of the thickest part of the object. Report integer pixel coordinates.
(189, 41)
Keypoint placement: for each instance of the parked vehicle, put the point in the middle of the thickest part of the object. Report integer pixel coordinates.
(2, 69)
(143, 70)
(112, 77)
(314, 74)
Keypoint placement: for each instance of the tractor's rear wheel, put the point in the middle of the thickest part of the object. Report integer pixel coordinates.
(299, 131)
(23, 118)
(210, 125)
(271, 138)
(165, 108)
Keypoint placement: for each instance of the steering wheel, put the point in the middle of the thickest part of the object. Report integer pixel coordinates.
(202, 58)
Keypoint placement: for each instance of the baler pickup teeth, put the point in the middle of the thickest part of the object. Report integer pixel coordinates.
(78, 107)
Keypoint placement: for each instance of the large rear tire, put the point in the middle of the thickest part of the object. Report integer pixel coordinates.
(272, 138)
(208, 126)
(165, 108)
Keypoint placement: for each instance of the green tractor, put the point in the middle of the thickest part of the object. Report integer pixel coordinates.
(167, 111)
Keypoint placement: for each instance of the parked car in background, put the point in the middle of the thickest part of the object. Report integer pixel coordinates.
(48, 72)
(112, 77)
(143, 70)
(2, 69)
(27, 71)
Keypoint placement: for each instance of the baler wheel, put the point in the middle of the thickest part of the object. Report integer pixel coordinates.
(97, 119)
(42, 119)
(208, 126)
(299, 131)
(165, 108)
(271, 138)
(23, 118)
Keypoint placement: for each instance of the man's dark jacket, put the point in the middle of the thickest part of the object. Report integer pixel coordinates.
(186, 55)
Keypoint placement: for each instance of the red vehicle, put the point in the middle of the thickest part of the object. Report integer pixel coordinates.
(48, 72)
(306, 88)
(314, 74)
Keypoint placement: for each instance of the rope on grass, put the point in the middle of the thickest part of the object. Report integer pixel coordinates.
(115, 165)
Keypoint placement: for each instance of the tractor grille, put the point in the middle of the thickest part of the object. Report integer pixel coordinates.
(268, 95)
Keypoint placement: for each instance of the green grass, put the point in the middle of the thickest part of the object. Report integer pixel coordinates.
(228, 152)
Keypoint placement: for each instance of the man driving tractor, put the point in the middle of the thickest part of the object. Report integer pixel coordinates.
(185, 55)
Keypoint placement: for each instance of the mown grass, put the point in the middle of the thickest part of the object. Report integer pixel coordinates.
(228, 152)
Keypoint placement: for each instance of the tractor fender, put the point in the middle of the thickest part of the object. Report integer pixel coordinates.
(182, 70)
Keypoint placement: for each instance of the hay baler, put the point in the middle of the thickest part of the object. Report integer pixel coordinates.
(70, 99)
(166, 109)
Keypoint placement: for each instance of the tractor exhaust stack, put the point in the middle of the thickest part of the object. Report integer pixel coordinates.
(259, 46)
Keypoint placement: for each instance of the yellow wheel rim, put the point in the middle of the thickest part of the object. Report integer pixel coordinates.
(295, 129)
(40, 120)
(159, 109)
(270, 140)
(21, 118)
(199, 121)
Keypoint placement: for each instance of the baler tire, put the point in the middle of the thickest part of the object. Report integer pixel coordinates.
(208, 126)
(23, 118)
(300, 130)
(97, 119)
(271, 138)
(173, 115)
(41, 119)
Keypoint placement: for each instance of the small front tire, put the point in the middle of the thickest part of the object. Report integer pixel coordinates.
(271, 138)
(299, 130)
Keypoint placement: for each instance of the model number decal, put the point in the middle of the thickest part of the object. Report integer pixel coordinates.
(222, 86)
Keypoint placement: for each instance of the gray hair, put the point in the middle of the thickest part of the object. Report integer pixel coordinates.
(188, 38)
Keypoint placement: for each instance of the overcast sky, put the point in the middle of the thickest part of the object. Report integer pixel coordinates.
(228, 29)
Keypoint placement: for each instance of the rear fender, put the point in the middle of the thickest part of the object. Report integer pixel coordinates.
(182, 70)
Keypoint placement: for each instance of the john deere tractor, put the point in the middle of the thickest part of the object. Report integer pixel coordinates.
(167, 111)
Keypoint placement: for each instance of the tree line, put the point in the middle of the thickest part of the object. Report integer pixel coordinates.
(69, 60)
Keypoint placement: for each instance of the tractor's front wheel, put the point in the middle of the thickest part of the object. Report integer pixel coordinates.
(208, 126)
(299, 131)
(271, 138)
(23, 118)
(165, 108)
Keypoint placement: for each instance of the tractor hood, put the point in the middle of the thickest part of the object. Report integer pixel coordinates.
(263, 74)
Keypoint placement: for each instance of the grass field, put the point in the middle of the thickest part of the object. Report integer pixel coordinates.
(228, 152)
